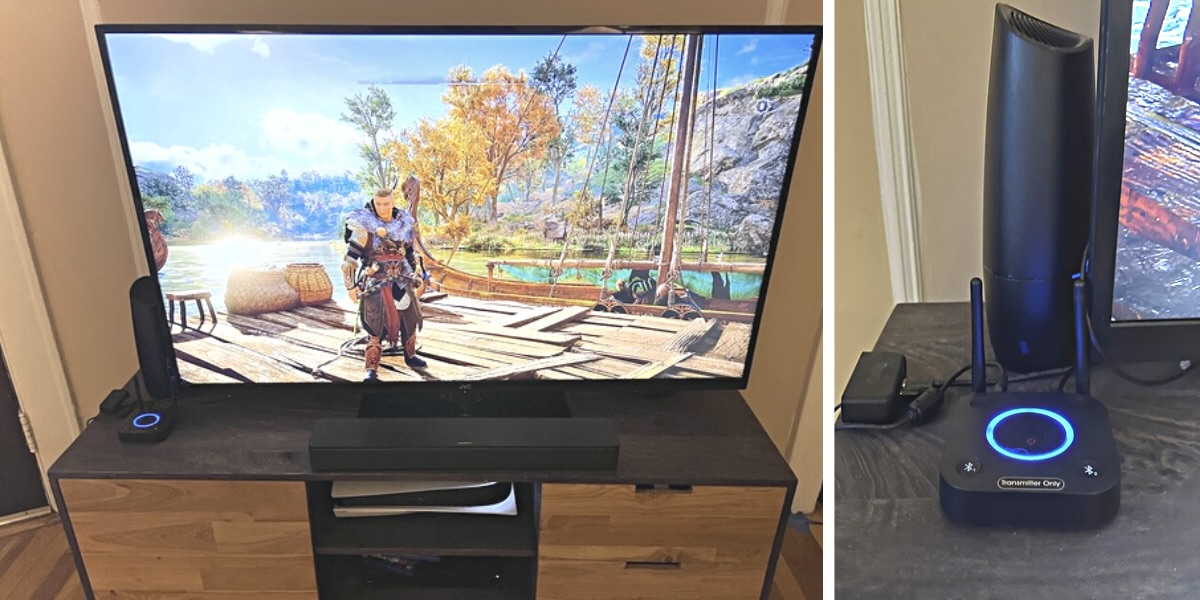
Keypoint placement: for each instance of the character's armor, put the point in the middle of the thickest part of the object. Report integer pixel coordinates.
(380, 262)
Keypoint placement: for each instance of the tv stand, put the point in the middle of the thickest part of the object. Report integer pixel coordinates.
(229, 506)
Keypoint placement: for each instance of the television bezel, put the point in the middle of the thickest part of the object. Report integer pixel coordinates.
(433, 387)
(1148, 340)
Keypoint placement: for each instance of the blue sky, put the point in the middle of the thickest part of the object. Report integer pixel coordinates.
(251, 105)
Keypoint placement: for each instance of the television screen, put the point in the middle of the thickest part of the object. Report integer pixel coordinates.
(340, 205)
(1157, 273)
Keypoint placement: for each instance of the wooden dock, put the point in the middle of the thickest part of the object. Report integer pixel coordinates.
(462, 340)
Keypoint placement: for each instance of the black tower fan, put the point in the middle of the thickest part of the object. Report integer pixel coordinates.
(1037, 187)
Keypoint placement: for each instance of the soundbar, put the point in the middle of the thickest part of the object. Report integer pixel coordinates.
(462, 444)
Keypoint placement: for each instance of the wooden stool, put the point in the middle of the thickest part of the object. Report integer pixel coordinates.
(182, 298)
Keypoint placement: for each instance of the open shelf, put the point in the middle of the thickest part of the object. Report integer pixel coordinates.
(455, 578)
(430, 533)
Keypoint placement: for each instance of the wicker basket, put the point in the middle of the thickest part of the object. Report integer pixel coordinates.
(311, 280)
(254, 291)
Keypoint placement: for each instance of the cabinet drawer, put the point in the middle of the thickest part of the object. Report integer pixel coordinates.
(616, 541)
(165, 539)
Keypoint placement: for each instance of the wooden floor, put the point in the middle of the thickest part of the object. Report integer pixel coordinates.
(35, 564)
(462, 340)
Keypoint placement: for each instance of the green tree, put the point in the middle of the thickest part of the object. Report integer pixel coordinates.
(556, 79)
(373, 115)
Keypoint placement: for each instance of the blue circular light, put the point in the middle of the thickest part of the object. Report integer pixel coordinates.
(1067, 429)
(146, 420)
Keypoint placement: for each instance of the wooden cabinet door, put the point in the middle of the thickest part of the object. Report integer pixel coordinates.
(171, 540)
(615, 542)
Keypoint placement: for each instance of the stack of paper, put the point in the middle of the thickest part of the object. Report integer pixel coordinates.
(389, 498)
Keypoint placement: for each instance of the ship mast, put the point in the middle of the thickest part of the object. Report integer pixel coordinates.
(678, 177)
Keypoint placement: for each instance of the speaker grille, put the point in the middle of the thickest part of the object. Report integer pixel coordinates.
(1041, 31)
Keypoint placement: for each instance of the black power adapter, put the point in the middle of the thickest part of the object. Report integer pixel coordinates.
(876, 397)
(874, 392)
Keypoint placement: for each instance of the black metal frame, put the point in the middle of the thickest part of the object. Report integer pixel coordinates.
(638, 386)
(1162, 339)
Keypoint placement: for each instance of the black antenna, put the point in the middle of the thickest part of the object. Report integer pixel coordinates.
(1083, 382)
(978, 362)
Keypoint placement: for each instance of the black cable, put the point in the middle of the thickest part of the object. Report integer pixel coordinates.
(1116, 369)
(837, 406)
(1123, 374)
(1062, 383)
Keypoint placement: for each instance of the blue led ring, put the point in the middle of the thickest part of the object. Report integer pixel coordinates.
(1067, 429)
(146, 420)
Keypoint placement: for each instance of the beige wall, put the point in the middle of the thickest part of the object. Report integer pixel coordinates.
(863, 287)
(947, 46)
(786, 356)
(56, 135)
(66, 185)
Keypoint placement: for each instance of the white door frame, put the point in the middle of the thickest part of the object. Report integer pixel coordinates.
(899, 187)
(27, 337)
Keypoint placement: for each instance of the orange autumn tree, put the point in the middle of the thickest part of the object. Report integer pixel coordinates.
(517, 120)
(449, 157)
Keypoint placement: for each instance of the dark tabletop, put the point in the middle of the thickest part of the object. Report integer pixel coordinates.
(893, 541)
(697, 438)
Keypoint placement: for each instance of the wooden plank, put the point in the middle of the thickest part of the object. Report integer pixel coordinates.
(733, 344)
(532, 366)
(564, 315)
(464, 354)
(198, 374)
(238, 360)
(557, 375)
(660, 324)
(286, 353)
(605, 368)
(526, 316)
(534, 336)
(602, 318)
(492, 306)
(653, 369)
(435, 369)
(589, 329)
(466, 335)
(338, 319)
(696, 331)
(709, 366)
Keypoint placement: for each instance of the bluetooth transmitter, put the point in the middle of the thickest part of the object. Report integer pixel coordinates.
(1031, 459)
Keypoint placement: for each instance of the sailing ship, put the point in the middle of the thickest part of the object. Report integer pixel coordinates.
(667, 296)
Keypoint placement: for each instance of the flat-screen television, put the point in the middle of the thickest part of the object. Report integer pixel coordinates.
(1145, 259)
(555, 206)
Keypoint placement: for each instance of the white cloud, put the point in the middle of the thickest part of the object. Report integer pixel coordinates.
(287, 140)
(750, 46)
(326, 144)
(215, 161)
(209, 42)
(260, 48)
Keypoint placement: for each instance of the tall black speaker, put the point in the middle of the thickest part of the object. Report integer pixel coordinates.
(155, 417)
(1037, 187)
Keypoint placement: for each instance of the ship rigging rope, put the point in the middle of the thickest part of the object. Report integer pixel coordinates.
(555, 272)
(654, 132)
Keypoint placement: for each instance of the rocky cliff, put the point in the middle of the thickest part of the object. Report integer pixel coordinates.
(754, 126)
